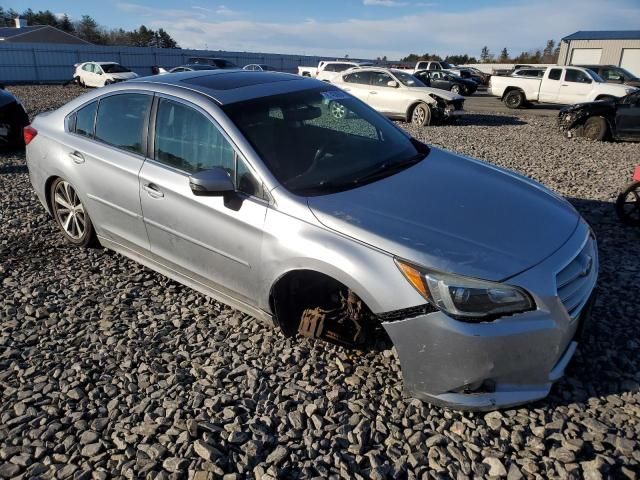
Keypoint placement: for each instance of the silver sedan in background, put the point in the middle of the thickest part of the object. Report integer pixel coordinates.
(246, 187)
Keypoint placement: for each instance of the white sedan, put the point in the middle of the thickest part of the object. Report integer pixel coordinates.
(99, 74)
(399, 95)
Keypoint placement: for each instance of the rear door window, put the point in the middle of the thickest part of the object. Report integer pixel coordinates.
(121, 121)
(362, 78)
(85, 118)
(555, 74)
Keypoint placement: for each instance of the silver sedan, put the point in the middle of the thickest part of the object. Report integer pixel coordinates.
(245, 187)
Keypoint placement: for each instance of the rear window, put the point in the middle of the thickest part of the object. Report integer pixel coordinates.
(555, 74)
(85, 118)
(121, 121)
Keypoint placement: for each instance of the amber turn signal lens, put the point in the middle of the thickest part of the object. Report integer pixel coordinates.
(414, 276)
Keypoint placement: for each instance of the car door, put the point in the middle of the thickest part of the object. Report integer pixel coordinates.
(438, 80)
(575, 87)
(214, 240)
(87, 74)
(550, 86)
(382, 97)
(357, 84)
(628, 117)
(106, 147)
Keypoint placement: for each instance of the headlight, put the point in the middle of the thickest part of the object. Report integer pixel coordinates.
(466, 298)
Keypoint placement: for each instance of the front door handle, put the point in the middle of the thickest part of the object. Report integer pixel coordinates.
(373, 93)
(153, 190)
(76, 157)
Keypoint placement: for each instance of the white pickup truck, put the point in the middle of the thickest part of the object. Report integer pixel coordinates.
(562, 85)
(326, 70)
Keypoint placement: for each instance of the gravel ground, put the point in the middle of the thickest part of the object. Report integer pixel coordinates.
(110, 370)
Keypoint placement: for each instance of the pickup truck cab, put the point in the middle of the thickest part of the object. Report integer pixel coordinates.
(327, 70)
(560, 85)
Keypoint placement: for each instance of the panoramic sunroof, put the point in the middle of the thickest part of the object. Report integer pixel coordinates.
(231, 80)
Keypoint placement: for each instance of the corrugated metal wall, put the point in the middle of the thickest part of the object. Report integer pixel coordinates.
(46, 63)
(611, 49)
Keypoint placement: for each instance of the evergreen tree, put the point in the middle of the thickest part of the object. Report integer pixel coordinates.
(485, 55)
(504, 55)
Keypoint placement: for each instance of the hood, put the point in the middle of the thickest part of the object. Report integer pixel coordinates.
(617, 89)
(600, 107)
(454, 214)
(123, 75)
(445, 94)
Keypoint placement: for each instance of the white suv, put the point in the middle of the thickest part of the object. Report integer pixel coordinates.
(99, 74)
(397, 94)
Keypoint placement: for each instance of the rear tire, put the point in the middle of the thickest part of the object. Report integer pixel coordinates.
(70, 214)
(456, 89)
(514, 99)
(595, 128)
(421, 115)
(628, 205)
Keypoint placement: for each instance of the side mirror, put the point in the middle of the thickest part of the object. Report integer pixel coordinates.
(392, 84)
(215, 182)
(99, 72)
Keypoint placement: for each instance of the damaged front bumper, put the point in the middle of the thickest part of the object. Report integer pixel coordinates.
(506, 362)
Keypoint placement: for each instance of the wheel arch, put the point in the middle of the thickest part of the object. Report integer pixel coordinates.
(511, 89)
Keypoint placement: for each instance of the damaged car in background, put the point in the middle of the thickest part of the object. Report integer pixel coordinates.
(342, 228)
(399, 95)
(608, 119)
(13, 118)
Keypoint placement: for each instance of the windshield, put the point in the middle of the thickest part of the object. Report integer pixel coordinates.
(408, 80)
(114, 68)
(594, 75)
(625, 72)
(323, 140)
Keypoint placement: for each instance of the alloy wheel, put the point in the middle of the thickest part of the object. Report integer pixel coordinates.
(418, 115)
(69, 210)
(338, 110)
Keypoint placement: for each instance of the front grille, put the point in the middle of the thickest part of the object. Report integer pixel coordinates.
(575, 282)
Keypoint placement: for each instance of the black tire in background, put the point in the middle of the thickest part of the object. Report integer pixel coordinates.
(628, 205)
(70, 215)
(595, 128)
(514, 99)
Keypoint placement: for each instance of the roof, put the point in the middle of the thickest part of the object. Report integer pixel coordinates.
(38, 34)
(8, 32)
(604, 35)
(231, 86)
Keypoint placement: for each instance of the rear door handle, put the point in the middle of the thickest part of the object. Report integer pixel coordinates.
(76, 157)
(564, 85)
(373, 93)
(153, 190)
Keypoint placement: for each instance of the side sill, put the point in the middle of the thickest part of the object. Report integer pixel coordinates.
(188, 281)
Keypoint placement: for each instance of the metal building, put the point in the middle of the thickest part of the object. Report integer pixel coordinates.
(621, 48)
(22, 33)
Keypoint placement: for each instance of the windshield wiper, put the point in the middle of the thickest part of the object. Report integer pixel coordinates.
(388, 168)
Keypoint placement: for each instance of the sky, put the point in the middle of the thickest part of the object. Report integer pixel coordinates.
(358, 28)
